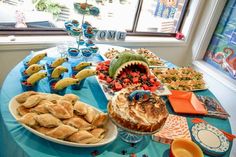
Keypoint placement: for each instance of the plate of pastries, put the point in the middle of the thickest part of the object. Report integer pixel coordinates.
(185, 78)
(62, 119)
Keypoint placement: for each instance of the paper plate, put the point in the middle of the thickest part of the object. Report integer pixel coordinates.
(210, 139)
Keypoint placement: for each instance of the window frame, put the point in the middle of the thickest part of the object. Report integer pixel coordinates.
(133, 32)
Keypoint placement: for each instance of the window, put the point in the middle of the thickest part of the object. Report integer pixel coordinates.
(137, 17)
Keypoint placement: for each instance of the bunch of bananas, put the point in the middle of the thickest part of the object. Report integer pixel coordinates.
(35, 59)
(65, 82)
(34, 68)
(36, 77)
(85, 73)
(58, 71)
(82, 65)
(58, 62)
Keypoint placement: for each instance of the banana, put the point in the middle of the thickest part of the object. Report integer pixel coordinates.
(35, 59)
(58, 62)
(63, 83)
(82, 65)
(33, 69)
(36, 77)
(85, 73)
(58, 71)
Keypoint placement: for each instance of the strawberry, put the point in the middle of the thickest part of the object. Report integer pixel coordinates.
(101, 76)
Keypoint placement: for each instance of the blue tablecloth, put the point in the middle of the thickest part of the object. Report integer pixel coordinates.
(17, 141)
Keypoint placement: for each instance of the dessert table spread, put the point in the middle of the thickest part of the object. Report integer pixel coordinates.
(17, 141)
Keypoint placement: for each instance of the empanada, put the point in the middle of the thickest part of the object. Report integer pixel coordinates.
(100, 120)
(53, 97)
(62, 131)
(90, 115)
(79, 136)
(79, 123)
(29, 119)
(22, 97)
(68, 106)
(41, 107)
(47, 120)
(43, 130)
(70, 97)
(98, 132)
(80, 108)
(32, 101)
(58, 111)
(22, 110)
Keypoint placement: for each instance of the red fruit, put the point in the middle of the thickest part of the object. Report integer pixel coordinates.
(145, 87)
(118, 86)
(135, 80)
(153, 88)
(144, 77)
(109, 79)
(107, 62)
(152, 80)
(152, 76)
(134, 74)
(126, 80)
(101, 76)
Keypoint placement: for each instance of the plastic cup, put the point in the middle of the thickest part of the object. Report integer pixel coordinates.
(52, 82)
(78, 86)
(73, 52)
(28, 87)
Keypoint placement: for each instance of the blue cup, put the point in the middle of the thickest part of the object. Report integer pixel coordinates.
(24, 76)
(78, 86)
(59, 78)
(86, 52)
(28, 87)
(89, 43)
(52, 82)
(94, 49)
(73, 52)
(49, 68)
(80, 42)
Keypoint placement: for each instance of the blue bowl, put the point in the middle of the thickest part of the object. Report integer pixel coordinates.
(80, 42)
(78, 86)
(54, 91)
(73, 52)
(89, 43)
(86, 52)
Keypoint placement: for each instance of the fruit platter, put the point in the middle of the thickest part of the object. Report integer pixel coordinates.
(185, 78)
(127, 69)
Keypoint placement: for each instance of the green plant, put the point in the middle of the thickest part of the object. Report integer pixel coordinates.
(48, 6)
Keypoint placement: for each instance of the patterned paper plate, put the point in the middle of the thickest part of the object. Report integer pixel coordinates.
(210, 139)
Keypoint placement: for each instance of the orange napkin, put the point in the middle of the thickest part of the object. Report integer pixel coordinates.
(186, 102)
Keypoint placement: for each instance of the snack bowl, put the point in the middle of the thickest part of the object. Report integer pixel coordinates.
(183, 147)
(73, 52)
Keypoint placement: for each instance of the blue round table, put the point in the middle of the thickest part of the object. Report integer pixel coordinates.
(15, 140)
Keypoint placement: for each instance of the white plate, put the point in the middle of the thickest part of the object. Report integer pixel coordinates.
(210, 139)
(110, 135)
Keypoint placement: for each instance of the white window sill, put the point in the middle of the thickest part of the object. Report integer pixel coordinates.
(20, 42)
(216, 74)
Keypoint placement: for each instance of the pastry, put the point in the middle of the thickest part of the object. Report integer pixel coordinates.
(68, 106)
(41, 107)
(53, 97)
(42, 130)
(59, 111)
(139, 113)
(79, 123)
(22, 110)
(90, 140)
(98, 132)
(29, 119)
(79, 136)
(61, 132)
(100, 120)
(32, 101)
(47, 120)
(80, 108)
(90, 115)
(22, 97)
(70, 97)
